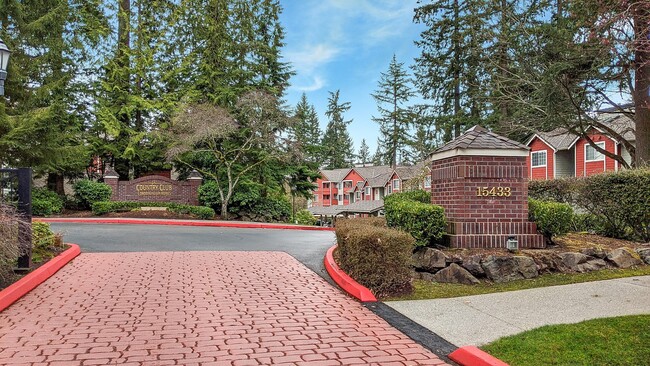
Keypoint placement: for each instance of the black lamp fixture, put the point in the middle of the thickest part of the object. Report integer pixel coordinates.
(4, 61)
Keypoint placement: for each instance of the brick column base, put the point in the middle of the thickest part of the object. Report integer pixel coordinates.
(492, 234)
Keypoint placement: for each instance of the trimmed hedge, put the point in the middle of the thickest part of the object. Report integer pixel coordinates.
(45, 202)
(87, 192)
(202, 212)
(412, 212)
(552, 218)
(619, 202)
(377, 257)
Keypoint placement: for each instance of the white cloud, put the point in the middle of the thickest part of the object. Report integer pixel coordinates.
(317, 84)
(311, 57)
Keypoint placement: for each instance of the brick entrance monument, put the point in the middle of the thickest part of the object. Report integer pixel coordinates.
(481, 180)
(154, 188)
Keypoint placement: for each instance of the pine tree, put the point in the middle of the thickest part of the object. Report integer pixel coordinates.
(364, 153)
(395, 117)
(52, 42)
(451, 70)
(307, 132)
(337, 143)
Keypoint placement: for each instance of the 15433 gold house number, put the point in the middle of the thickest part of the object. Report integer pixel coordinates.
(493, 191)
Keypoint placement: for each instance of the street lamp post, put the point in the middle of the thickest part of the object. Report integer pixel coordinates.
(4, 60)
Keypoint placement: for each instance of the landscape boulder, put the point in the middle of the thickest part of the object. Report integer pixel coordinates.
(644, 253)
(455, 274)
(473, 265)
(579, 262)
(623, 258)
(594, 252)
(429, 259)
(505, 269)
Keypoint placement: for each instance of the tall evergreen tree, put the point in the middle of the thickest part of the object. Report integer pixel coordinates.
(306, 132)
(364, 153)
(337, 143)
(450, 70)
(47, 91)
(395, 117)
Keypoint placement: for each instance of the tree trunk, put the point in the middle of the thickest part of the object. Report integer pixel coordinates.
(56, 183)
(641, 14)
(224, 210)
(456, 68)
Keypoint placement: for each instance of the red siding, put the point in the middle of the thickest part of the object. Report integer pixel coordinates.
(355, 178)
(587, 168)
(541, 172)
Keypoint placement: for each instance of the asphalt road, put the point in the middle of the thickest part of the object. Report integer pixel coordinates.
(308, 247)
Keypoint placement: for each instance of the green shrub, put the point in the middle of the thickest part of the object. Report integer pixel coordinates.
(45, 202)
(378, 257)
(202, 212)
(618, 202)
(424, 221)
(88, 192)
(552, 218)
(247, 201)
(416, 195)
(622, 199)
(559, 190)
(304, 217)
(42, 236)
(586, 222)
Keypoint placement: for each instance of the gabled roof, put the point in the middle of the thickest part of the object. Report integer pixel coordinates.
(363, 207)
(409, 172)
(335, 175)
(479, 137)
(561, 139)
(558, 139)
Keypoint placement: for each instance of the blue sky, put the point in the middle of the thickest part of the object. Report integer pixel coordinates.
(346, 44)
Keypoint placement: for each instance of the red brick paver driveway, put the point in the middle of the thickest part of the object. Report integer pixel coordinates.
(197, 308)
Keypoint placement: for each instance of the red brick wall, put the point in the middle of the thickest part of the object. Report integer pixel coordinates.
(584, 168)
(155, 189)
(479, 221)
(455, 182)
(540, 172)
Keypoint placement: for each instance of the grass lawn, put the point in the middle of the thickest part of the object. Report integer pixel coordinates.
(433, 290)
(610, 341)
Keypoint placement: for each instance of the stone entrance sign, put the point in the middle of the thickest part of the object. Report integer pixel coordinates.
(481, 180)
(154, 188)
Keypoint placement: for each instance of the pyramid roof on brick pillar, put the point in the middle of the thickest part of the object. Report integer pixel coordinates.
(480, 141)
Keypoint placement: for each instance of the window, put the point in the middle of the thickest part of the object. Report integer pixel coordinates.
(315, 198)
(368, 191)
(538, 158)
(326, 197)
(358, 195)
(340, 197)
(591, 154)
(395, 184)
(390, 189)
(347, 184)
(427, 181)
(326, 185)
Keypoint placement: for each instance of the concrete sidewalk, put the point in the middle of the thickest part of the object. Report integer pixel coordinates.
(480, 319)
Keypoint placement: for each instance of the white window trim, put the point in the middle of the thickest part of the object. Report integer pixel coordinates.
(347, 181)
(358, 195)
(398, 184)
(545, 158)
(368, 191)
(329, 184)
(390, 189)
(602, 156)
(427, 181)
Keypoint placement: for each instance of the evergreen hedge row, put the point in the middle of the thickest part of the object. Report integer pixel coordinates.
(552, 218)
(104, 207)
(413, 212)
(376, 256)
(618, 202)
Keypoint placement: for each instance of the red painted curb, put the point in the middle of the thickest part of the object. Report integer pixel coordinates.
(472, 356)
(19, 289)
(233, 224)
(346, 282)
